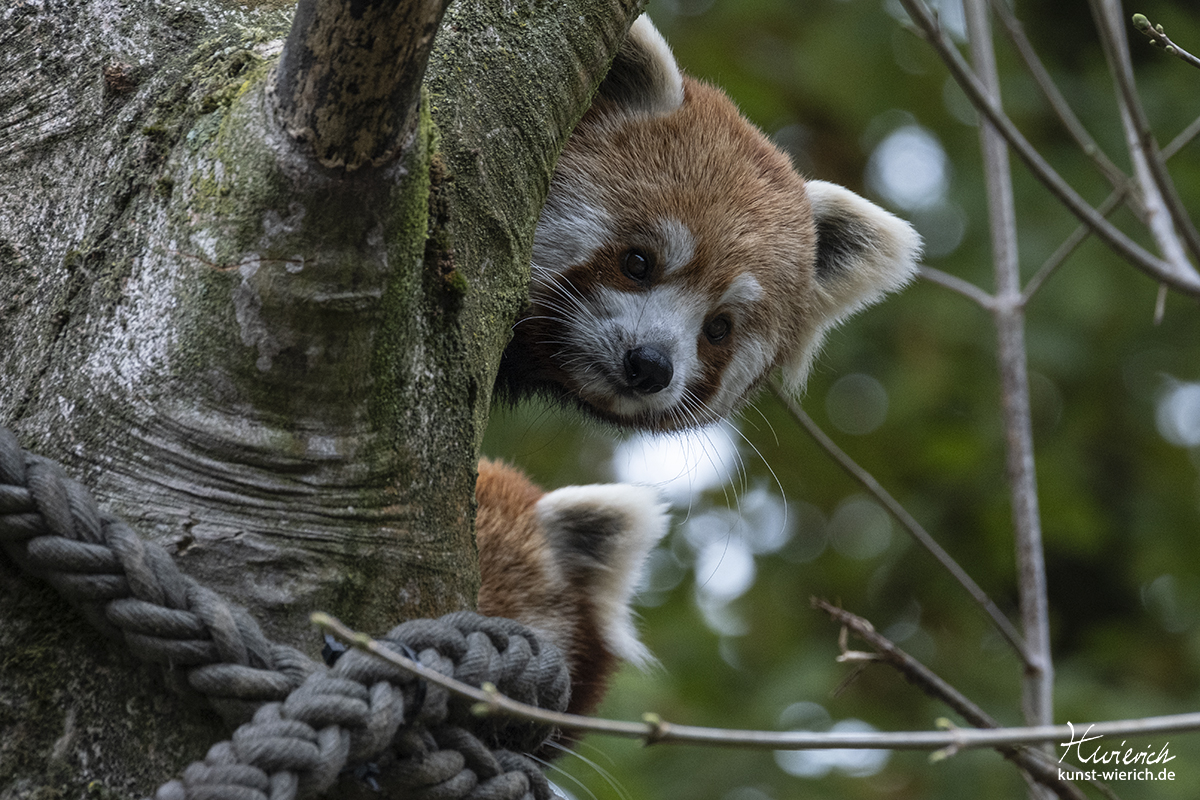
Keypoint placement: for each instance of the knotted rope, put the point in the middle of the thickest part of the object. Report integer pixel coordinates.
(307, 723)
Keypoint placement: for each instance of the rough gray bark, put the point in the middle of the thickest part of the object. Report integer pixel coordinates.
(360, 109)
(279, 370)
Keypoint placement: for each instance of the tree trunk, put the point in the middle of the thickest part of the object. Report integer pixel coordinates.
(274, 361)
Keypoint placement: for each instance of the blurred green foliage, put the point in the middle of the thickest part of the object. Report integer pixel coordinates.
(1120, 503)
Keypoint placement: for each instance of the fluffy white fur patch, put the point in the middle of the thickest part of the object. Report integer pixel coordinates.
(678, 245)
(639, 520)
(569, 233)
(874, 253)
(661, 69)
(744, 290)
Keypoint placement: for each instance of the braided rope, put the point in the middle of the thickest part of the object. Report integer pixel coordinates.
(304, 724)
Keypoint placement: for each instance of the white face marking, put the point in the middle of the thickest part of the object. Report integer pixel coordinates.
(753, 357)
(600, 329)
(677, 245)
(569, 234)
(745, 290)
(671, 318)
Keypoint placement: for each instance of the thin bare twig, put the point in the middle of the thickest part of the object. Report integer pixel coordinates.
(906, 520)
(1058, 103)
(1158, 269)
(1038, 679)
(1064, 250)
(1158, 189)
(957, 284)
(1039, 767)
(1160, 39)
(1183, 139)
(1081, 233)
(654, 730)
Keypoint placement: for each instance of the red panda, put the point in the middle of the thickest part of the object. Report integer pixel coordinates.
(566, 563)
(680, 259)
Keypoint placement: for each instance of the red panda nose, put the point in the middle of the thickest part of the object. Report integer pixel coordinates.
(648, 369)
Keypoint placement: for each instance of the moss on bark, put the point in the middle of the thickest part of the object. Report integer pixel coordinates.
(278, 371)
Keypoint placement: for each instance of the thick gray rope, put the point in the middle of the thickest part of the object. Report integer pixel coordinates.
(306, 723)
(363, 710)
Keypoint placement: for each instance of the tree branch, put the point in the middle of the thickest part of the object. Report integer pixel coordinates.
(1014, 386)
(1077, 236)
(1032, 761)
(960, 286)
(349, 80)
(1158, 269)
(654, 730)
(1016, 34)
(1157, 37)
(906, 520)
(1158, 190)
(1064, 250)
(1182, 139)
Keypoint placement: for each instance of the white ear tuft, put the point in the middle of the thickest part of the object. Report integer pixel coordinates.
(644, 77)
(863, 252)
(601, 534)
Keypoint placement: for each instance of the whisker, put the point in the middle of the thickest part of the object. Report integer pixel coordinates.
(766, 421)
(608, 777)
(585, 744)
(552, 766)
(770, 469)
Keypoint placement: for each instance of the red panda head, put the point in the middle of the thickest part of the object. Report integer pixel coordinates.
(680, 259)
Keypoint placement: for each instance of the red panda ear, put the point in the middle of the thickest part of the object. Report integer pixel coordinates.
(600, 536)
(643, 78)
(863, 252)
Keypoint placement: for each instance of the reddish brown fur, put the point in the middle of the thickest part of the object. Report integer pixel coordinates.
(663, 197)
(704, 165)
(707, 166)
(521, 580)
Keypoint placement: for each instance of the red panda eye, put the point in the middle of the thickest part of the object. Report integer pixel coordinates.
(717, 329)
(636, 265)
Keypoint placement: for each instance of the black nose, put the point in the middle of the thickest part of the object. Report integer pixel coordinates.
(648, 369)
